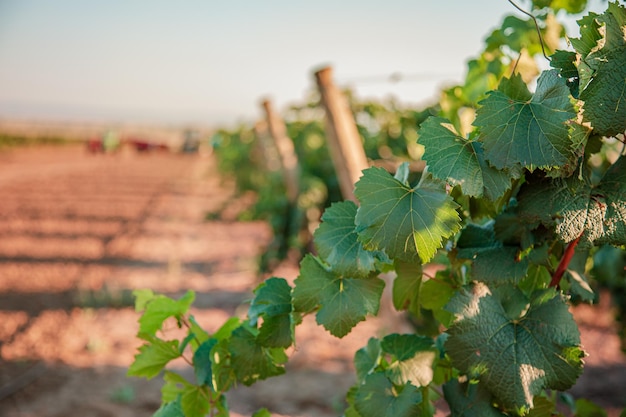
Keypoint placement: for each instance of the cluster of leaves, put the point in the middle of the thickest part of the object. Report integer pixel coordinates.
(511, 212)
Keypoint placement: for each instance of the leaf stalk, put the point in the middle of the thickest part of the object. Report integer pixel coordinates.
(564, 263)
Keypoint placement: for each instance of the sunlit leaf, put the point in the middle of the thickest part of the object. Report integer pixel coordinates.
(520, 130)
(404, 222)
(516, 346)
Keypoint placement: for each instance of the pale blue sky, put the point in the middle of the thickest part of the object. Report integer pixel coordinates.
(210, 62)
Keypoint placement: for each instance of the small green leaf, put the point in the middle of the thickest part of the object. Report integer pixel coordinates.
(272, 302)
(435, 294)
(414, 359)
(227, 328)
(404, 222)
(406, 287)
(195, 401)
(586, 408)
(518, 132)
(142, 297)
(565, 62)
(366, 359)
(469, 400)
(160, 308)
(342, 302)
(202, 363)
(378, 397)
(336, 242)
(544, 407)
(499, 265)
(492, 263)
(173, 387)
(459, 161)
(263, 412)
(223, 373)
(250, 361)
(200, 335)
(170, 409)
(153, 357)
(515, 346)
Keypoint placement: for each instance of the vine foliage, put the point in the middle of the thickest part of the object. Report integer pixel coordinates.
(511, 211)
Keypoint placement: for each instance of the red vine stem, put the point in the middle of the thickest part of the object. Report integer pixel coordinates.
(565, 260)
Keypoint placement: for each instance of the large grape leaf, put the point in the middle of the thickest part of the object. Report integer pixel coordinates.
(272, 302)
(459, 161)
(577, 208)
(404, 222)
(604, 96)
(520, 130)
(336, 242)
(343, 302)
(516, 346)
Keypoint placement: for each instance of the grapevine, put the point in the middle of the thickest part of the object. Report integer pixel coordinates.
(510, 208)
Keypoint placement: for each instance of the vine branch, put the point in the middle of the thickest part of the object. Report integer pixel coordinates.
(543, 49)
(565, 260)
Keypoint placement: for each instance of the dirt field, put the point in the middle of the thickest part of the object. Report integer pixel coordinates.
(79, 232)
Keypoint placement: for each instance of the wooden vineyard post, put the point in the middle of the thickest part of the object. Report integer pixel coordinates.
(344, 142)
(266, 146)
(288, 157)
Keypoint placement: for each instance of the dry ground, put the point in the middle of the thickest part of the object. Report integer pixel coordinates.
(79, 232)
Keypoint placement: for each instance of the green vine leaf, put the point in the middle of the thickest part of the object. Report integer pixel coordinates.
(516, 346)
(195, 401)
(337, 243)
(605, 95)
(366, 359)
(492, 262)
(202, 363)
(413, 359)
(272, 302)
(173, 387)
(565, 62)
(159, 308)
(378, 397)
(404, 222)
(170, 409)
(250, 361)
(520, 130)
(343, 302)
(576, 208)
(458, 161)
(469, 400)
(153, 357)
(406, 287)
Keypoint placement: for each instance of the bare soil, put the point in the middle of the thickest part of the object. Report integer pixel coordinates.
(79, 232)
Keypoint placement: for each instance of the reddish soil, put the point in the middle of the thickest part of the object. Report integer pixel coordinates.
(79, 232)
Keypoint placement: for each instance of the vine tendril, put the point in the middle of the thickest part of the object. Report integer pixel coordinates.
(543, 49)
